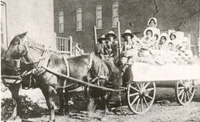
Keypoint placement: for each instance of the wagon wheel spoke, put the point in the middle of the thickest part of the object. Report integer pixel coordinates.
(145, 101)
(133, 94)
(180, 88)
(181, 82)
(182, 96)
(189, 92)
(187, 95)
(150, 89)
(134, 88)
(146, 85)
(136, 98)
(138, 86)
(181, 92)
(142, 106)
(149, 97)
(137, 105)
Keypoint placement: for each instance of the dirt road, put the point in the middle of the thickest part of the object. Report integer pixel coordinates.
(165, 109)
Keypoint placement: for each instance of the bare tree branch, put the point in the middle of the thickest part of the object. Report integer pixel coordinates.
(156, 7)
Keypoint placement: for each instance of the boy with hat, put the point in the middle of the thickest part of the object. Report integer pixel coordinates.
(112, 44)
(129, 51)
(100, 47)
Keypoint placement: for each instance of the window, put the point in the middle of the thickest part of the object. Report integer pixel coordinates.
(79, 19)
(61, 22)
(115, 14)
(99, 16)
(62, 44)
(3, 21)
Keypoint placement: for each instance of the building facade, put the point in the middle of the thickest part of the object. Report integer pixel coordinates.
(77, 18)
(32, 16)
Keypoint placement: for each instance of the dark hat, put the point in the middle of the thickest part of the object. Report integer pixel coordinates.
(101, 38)
(111, 33)
(127, 32)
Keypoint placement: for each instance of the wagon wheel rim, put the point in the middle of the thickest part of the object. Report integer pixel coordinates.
(141, 96)
(185, 90)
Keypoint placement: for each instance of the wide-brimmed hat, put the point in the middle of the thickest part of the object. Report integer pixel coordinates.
(103, 37)
(111, 33)
(127, 32)
(154, 19)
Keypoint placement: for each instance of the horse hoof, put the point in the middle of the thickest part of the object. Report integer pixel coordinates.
(52, 120)
(60, 113)
(14, 118)
(103, 119)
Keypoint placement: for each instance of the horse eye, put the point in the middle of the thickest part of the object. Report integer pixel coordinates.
(16, 42)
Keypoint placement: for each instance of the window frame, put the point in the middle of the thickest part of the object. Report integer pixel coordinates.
(61, 21)
(79, 23)
(115, 16)
(99, 12)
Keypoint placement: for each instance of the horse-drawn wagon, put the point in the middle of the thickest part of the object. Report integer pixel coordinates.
(141, 81)
(141, 91)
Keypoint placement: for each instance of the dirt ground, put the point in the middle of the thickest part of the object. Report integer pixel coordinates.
(165, 109)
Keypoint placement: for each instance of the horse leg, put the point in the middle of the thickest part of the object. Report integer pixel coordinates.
(66, 95)
(91, 106)
(62, 102)
(49, 94)
(106, 99)
(14, 89)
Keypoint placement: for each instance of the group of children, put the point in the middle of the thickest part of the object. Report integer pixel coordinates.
(151, 46)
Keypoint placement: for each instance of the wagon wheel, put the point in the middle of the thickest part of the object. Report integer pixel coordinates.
(185, 91)
(141, 96)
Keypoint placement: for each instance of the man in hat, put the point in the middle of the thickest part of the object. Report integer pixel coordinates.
(112, 44)
(129, 49)
(100, 47)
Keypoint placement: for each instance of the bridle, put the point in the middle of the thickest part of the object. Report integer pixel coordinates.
(21, 57)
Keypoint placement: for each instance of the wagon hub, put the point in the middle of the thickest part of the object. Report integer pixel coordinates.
(142, 91)
(187, 86)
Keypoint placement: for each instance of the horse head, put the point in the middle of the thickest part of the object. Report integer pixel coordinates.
(16, 49)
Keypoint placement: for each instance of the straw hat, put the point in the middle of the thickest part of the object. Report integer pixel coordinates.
(127, 32)
(103, 37)
(111, 33)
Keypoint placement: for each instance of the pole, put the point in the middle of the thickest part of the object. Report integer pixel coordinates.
(95, 35)
(119, 40)
(82, 82)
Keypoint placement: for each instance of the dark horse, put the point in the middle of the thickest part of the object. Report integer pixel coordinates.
(33, 57)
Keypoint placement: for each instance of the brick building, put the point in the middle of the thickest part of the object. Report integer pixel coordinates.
(77, 18)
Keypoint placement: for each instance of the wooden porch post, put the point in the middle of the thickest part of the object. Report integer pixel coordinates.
(70, 47)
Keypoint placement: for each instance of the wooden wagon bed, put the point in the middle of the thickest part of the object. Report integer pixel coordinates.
(149, 72)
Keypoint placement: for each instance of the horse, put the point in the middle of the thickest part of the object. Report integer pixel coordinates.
(32, 56)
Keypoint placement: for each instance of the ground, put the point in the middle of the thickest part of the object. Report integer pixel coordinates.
(165, 109)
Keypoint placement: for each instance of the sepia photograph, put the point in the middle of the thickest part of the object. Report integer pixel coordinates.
(100, 61)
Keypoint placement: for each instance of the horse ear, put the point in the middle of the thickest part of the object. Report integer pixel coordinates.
(23, 35)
